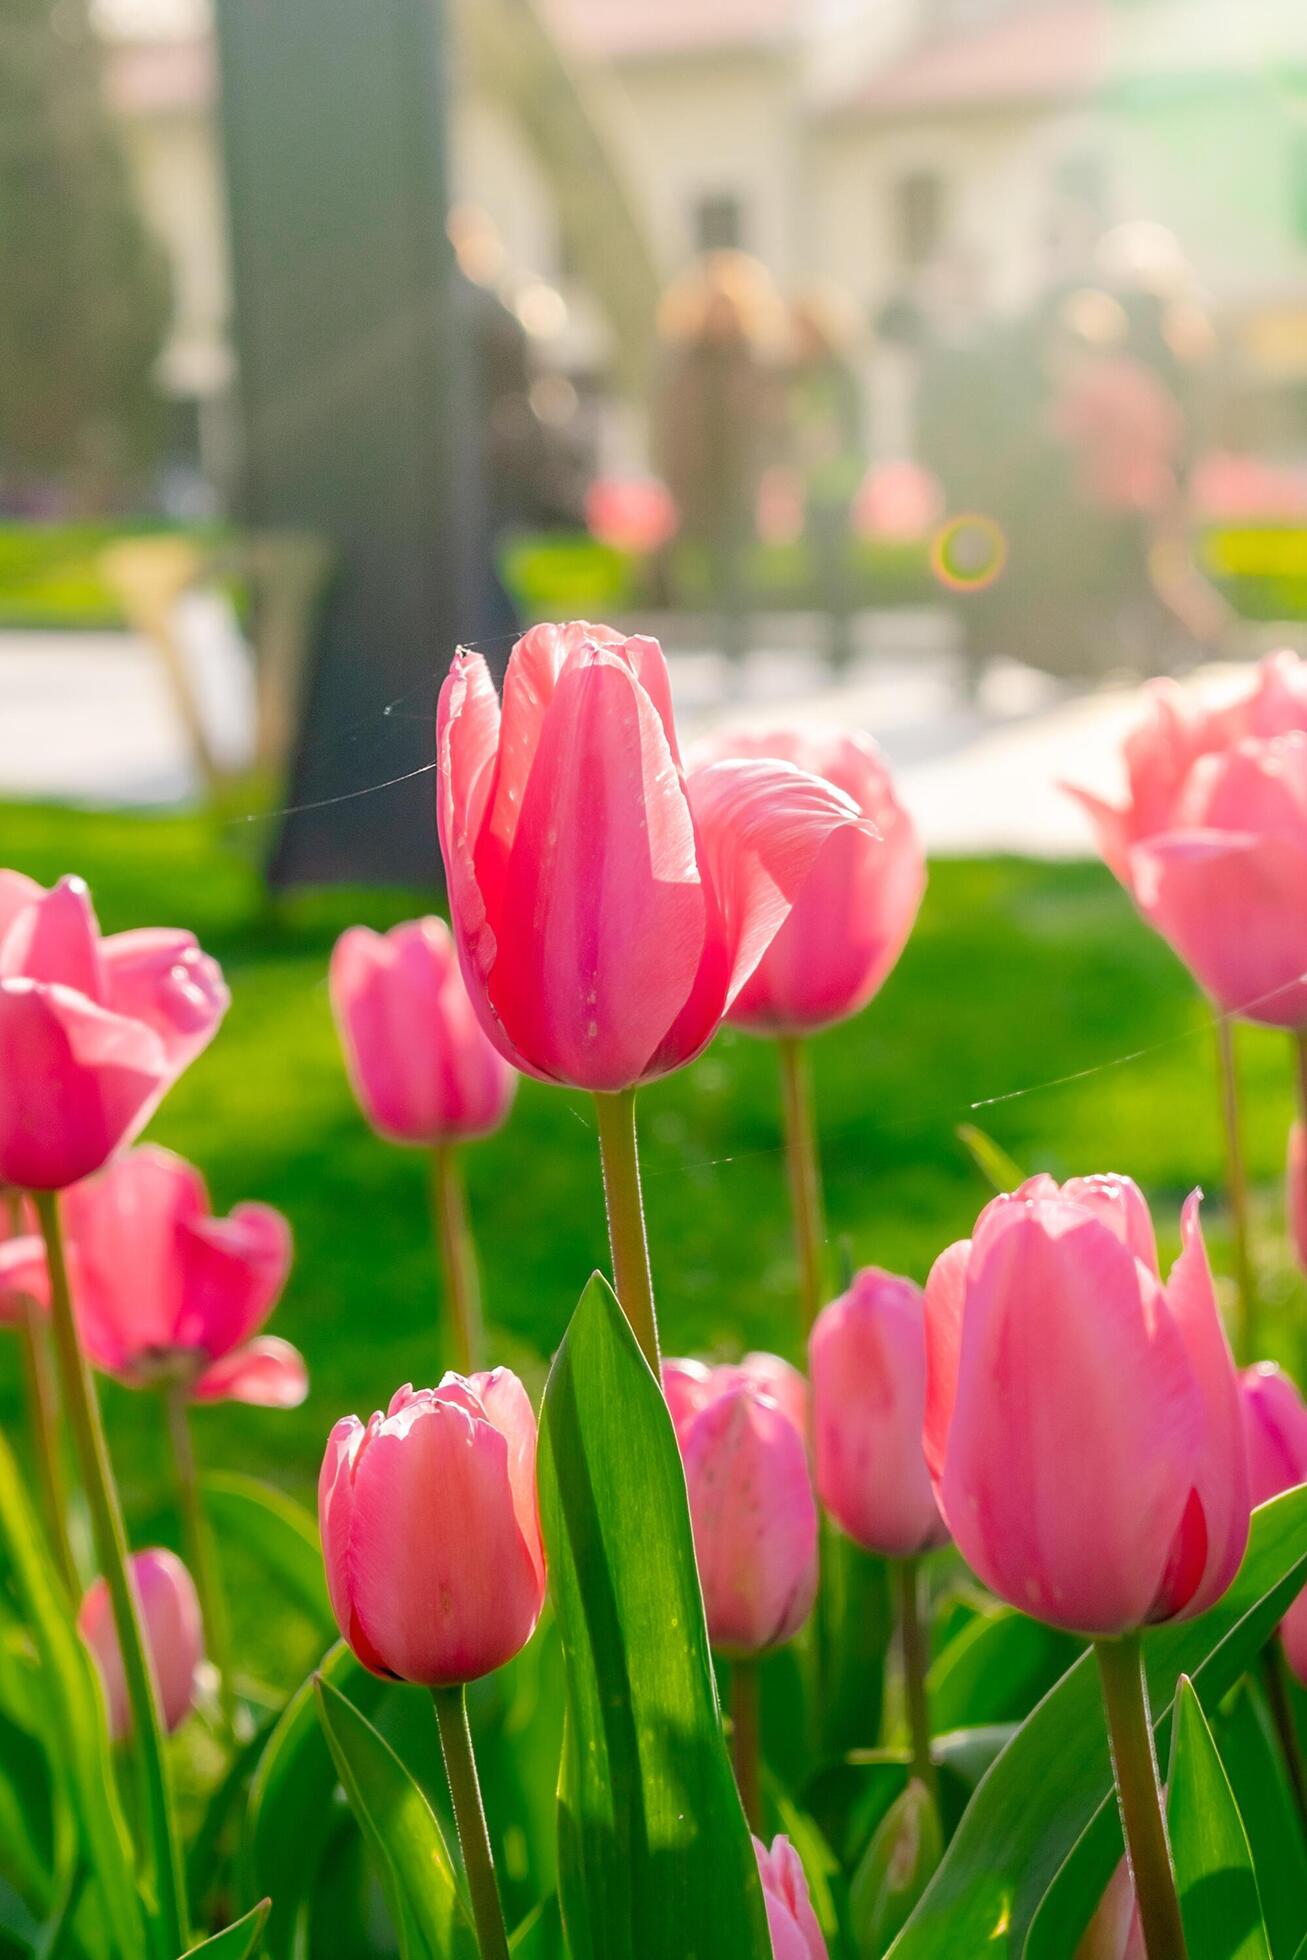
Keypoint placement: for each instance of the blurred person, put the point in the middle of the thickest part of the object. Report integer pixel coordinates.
(715, 420)
(822, 412)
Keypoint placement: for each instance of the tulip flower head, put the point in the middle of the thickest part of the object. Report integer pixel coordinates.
(691, 1385)
(1211, 841)
(419, 1063)
(1082, 1427)
(868, 1357)
(430, 1530)
(173, 1632)
(607, 908)
(751, 1504)
(791, 1921)
(93, 1031)
(1275, 1425)
(852, 917)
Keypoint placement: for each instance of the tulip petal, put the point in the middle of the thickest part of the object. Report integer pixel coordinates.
(56, 938)
(123, 1227)
(508, 1406)
(24, 1275)
(530, 681)
(946, 1292)
(160, 976)
(267, 1373)
(79, 1082)
(231, 1270)
(1275, 1430)
(1122, 1207)
(467, 731)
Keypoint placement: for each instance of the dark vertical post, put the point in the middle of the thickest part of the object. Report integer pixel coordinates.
(334, 130)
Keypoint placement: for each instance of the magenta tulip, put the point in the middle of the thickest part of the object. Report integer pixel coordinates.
(607, 909)
(419, 1064)
(751, 1506)
(430, 1530)
(1295, 1181)
(174, 1644)
(791, 1921)
(166, 1293)
(856, 908)
(1211, 841)
(1082, 1426)
(93, 1031)
(867, 1353)
(1275, 1424)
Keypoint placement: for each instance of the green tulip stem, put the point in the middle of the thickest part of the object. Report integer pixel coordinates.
(200, 1554)
(1245, 1327)
(458, 1259)
(43, 1418)
(1286, 1728)
(470, 1821)
(1300, 1071)
(746, 1737)
(915, 1655)
(632, 1278)
(1139, 1794)
(83, 1413)
(804, 1166)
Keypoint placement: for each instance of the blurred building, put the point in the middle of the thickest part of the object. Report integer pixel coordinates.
(955, 154)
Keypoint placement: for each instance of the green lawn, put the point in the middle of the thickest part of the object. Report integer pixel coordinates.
(1018, 973)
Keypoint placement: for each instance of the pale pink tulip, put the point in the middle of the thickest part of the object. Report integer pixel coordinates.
(691, 1385)
(173, 1633)
(1083, 1427)
(93, 1032)
(867, 1353)
(607, 910)
(418, 1062)
(1295, 1192)
(163, 1291)
(1211, 841)
(852, 917)
(430, 1530)
(791, 1921)
(751, 1506)
(1275, 1424)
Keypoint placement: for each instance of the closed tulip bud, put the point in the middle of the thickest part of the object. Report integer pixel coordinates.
(1275, 1424)
(93, 1031)
(173, 1633)
(608, 909)
(867, 1352)
(430, 1531)
(752, 1508)
(1296, 1193)
(1115, 1931)
(856, 908)
(895, 1869)
(1083, 1427)
(418, 1062)
(791, 1921)
(691, 1385)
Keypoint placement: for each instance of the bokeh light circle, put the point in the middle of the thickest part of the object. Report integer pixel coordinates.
(969, 552)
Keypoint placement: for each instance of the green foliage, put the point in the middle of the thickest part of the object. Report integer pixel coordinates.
(1219, 1905)
(235, 1942)
(904, 1852)
(278, 1536)
(1254, 1762)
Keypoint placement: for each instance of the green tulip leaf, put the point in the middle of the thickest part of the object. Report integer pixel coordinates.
(402, 1833)
(990, 1158)
(1250, 1750)
(854, 1624)
(1043, 1819)
(278, 1535)
(540, 1936)
(996, 1669)
(655, 1861)
(237, 1941)
(1219, 1902)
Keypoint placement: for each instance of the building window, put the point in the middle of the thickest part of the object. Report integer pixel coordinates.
(919, 210)
(718, 223)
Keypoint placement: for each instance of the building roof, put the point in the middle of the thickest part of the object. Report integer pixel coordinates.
(1034, 53)
(618, 30)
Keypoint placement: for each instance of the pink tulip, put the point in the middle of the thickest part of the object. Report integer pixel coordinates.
(751, 1505)
(852, 917)
(93, 1031)
(1082, 1423)
(1295, 1181)
(430, 1531)
(867, 1352)
(1211, 841)
(163, 1291)
(795, 1934)
(691, 1385)
(421, 1068)
(1115, 1931)
(1275, 1424)
(607, 909)
(173, 1632)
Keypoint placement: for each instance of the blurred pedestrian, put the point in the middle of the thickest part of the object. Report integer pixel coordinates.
(824, 438)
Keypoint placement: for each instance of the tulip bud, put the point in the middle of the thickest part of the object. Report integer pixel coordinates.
(754, 1518)
(1275, 1425)
(791, 1921)
(1115, 1931)
(430, 1530)
(867, 1353)
(691, 1385)
(1082, 1429)
(894, 1870)
(418, 1061)
(173, 1632)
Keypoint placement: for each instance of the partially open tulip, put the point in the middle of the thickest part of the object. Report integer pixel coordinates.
(791, 1921)
(1083, 1428)
(164, 1292)
(691, 1385)
(1275, 1424)
(93, 1031)
(607, 909)
(430, 1530)
(174, 1642)
(867, 1354)
(1211, 840)
(1295, 1181)
(751, 1506)
(418, 1061)
(855, 910)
